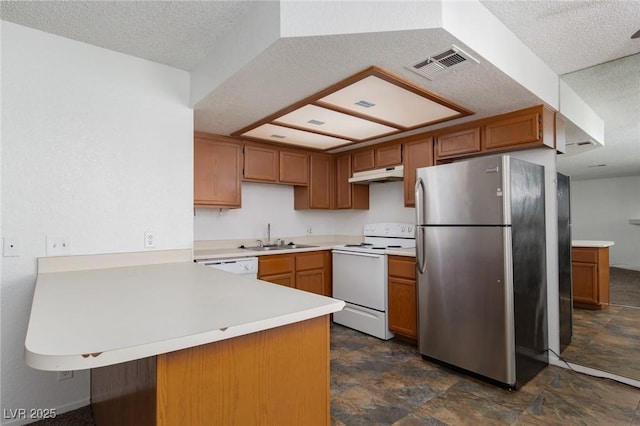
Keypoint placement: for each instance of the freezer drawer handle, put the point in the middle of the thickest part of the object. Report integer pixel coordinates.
(495, 169)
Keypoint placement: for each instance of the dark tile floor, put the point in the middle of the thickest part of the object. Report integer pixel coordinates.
(606, 340)
(374, 382)
(387, 383)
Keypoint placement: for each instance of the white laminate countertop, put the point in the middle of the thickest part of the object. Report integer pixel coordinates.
(91, 318)
(223, 253)
(219, 253)
(589, 243)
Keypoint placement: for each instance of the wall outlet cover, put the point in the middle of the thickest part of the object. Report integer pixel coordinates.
(58, 246)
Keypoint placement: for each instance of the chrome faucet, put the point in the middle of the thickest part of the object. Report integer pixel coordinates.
(268, 241)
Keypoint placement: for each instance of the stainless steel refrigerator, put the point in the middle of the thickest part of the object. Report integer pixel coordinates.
(480, 248)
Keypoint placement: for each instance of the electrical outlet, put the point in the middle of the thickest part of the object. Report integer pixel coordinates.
(149, 240)
(58, 246)
(65, 375)
(309, 230)
(11, 247)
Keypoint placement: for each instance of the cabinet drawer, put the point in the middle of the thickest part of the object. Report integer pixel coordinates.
(308, 261)
(403, 267)
(275, 264)
(584, 255)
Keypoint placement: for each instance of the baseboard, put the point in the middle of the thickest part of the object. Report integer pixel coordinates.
(59, 410)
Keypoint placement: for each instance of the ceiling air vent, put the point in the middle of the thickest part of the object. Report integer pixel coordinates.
(437, 65)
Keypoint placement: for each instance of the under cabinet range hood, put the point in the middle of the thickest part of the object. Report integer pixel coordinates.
(387, 174)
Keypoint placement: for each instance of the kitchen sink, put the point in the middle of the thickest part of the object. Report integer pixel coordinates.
(277, 247)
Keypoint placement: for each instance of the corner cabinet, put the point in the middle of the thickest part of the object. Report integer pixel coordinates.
(590, 276)
(418, 152)
(308, 271)
(217, 171)
(403, 298)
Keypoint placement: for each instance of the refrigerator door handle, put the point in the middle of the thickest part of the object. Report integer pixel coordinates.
(421, 260)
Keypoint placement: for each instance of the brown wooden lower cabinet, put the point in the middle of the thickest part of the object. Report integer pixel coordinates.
(308, 271)
(273, 377)
(402, 295)
(590, 276)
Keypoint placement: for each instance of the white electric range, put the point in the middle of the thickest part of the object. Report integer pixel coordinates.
(360, 277)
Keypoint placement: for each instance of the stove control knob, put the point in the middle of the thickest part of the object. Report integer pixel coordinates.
(404, 228)
(410, 229)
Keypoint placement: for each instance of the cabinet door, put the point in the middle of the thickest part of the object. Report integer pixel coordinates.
(585, 283)
(319, 193)
(217, 167)
(389, 155)
(349, 195)
(364, 160)
(312, 281)
(294, 168)
(458, 143)
(417, 154)
(403, 297)
(513, 132)
(260, 163)
(403, 308)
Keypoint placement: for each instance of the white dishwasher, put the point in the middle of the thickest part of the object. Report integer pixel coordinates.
(245, 266)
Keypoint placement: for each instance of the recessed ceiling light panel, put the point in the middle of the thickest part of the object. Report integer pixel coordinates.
(368, 105)
(393, 104)
(334, 123)
(295, 137)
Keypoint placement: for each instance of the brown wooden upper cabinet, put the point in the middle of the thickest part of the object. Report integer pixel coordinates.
(377, 157)
(319, 193)
(418, 152)
(269, 164)
(349, 195)
(261, 163)
(458, 143)
(294, 168)
(217, 166)
(520, 129)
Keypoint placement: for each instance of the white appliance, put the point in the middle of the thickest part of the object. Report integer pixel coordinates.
(245, 266)
(360, 277)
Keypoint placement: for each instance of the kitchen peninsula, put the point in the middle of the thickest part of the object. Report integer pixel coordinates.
(172, 342)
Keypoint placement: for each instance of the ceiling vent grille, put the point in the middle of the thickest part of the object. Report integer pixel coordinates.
(443, 63)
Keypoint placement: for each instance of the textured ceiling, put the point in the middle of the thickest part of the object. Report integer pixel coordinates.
(567, 35)
(175, 33)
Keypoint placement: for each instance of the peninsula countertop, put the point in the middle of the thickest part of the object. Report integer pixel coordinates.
(591, 243)
(90, 318)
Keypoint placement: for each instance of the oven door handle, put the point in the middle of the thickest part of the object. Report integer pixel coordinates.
(353, 253)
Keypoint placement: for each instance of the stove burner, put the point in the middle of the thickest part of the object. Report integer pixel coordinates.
(358, 245)
(378, 248)
(394, 246)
